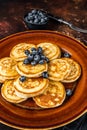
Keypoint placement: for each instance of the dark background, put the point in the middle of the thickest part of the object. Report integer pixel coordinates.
(74, 11)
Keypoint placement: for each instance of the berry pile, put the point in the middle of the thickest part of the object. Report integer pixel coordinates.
(36, 17)
(36, 56)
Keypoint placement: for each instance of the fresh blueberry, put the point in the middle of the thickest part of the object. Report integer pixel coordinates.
(34, 11)
(46, 18)
(1, 84)
(38, 12)
(26, 19)
(30, 17)
(45, 74)
(36, 58)
(29, 14)
(39, 17)
(36, 20)
(33, 62)
(34, 51)
(39, 50)
(26, 61)
(68, 92)
(41, 14)
(22, 78)
(31, 21)
(41, 62)
(43, 56)
(36, 16)
(27, 52)
(30, 57)
(47, 60)
(67, 55)
(42, 20)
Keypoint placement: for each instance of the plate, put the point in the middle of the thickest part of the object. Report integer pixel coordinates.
(73, 108)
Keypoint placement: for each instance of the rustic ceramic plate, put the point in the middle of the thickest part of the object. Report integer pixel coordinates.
(22, 117)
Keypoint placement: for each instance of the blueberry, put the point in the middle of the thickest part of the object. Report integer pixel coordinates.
(26, 19)
(27, 52)
(39, 17)
(26, 61)
(43, 56)
(34, 11)
(67, 55)
(41, 14)
(33, 62)
(68, 92)
(31, 21)
(36, 20)
(30, 17)
(30, 57)
(45, 74)
(36, 58)
(42, 20)
(47, 60)
(41, 62)
(34, 51)
(1, 84)
(39, 50)
(38, 12)
(22, 78)
(29, 14)
(36, 16)
(46, 18)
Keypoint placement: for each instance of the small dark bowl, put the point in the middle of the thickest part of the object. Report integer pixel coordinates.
(36, 26)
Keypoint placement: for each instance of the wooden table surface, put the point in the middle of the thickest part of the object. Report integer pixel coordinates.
(74, 11)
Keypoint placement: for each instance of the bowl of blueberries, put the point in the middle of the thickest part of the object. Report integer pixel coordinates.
(36, 19)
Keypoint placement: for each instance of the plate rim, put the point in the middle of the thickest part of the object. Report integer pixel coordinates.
(19, 33)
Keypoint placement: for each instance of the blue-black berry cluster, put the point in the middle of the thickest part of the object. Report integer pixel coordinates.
(36, 17)
(36, 56)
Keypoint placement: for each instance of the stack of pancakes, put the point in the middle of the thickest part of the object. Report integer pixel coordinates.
(46, 92)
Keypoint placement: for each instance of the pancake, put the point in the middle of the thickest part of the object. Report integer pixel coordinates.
(4, 78)
(50, 50)
(8, 67)
(31, 71)
(58, 69)
(8, 92)
(30, 87)
(75, 71)
(52, 97)
(17, 51)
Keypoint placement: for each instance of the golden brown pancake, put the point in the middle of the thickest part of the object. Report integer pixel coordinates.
(8, 92)
(52, 97)
(4, 78)
(17, 51)
(58, 69)
(52, 51)
(30, 87)
(8, 67)
(31, 71)
(75, 71)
